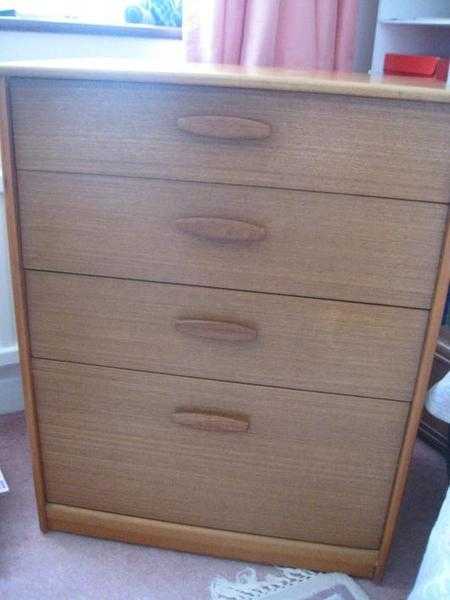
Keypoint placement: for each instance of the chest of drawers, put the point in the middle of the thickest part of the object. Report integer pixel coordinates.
(228, 289)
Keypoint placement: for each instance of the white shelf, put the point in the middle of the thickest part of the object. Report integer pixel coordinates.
(419, 22)
(411, 27)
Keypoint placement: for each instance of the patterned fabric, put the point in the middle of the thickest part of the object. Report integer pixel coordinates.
(287, 584)
(164, 13)
(306, 34)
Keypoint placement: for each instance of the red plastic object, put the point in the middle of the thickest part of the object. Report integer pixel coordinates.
(417, 66)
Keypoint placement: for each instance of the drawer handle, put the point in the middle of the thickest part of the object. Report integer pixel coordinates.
(225, 128)
(210, 421)
(216, 330)
(221, 230)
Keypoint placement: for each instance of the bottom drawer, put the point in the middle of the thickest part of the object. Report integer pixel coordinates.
(310, 466)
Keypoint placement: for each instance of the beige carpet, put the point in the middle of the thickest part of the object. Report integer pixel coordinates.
(68, 567)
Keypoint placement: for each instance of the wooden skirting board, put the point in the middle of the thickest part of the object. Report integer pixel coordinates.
(200, 540)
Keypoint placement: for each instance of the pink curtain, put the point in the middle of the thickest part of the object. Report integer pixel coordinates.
(303, 34)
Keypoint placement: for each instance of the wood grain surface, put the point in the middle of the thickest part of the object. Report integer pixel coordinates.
(215, 542)
(231, 76)
(318, 142)
(210, 421)
(209, 329)
(110, 444)
(218, 229)
(224, 128)
(320, 245)
(318, 345)
(420, 390)
(322, 191)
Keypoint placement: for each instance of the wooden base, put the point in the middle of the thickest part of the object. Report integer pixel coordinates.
(201, 540)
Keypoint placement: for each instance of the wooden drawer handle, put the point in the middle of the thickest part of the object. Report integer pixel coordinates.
(216, 330)
(210, 421)
(220, 230)
(225, 128)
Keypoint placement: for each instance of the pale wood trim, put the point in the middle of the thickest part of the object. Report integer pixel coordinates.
(349, 84)
(186, 538)
(19, 288)
(221, 230)
(208, 421)
(216, 330)
(78, 27)
(421, 386)
(224, 128)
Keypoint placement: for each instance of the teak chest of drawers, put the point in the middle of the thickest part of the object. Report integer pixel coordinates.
(228, 285)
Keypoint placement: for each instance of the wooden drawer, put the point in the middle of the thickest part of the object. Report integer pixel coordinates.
(300, 243)
(321, 345)
(311, 466)
(314, 141)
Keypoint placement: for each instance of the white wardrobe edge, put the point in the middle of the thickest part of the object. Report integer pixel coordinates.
(11, 395)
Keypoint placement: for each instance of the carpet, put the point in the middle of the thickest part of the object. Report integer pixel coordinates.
(60, 566)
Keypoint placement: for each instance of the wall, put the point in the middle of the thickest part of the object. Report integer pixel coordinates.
(410, 39)
(19, 45)
(365, 33)
(10, 385)
(26, 45)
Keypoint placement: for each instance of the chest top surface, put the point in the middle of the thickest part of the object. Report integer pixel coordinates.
(348, 84)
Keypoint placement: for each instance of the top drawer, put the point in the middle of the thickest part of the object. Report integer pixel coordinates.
(278, 139)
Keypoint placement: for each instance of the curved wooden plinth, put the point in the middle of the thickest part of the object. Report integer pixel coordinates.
(201, 540)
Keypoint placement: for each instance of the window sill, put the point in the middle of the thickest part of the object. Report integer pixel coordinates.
(49, 26)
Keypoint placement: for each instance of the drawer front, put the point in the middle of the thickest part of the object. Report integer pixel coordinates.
(314, 467)
(301, 343)
(293, 140)
(299, 243)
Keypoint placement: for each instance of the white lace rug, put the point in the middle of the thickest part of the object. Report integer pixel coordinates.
(287, 584)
